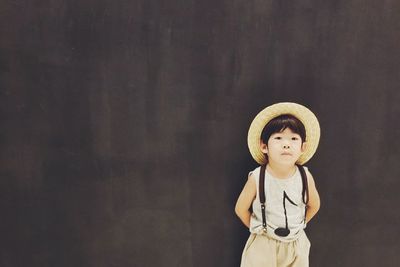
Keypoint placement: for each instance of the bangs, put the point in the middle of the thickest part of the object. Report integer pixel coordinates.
(280, 123)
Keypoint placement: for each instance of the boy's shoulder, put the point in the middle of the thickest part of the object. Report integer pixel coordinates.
(305, 168)
(254, 172)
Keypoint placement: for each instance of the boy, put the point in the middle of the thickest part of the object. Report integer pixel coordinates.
(281, 191)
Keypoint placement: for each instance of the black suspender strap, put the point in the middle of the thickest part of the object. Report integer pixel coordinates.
(305, 189)
(305, 184)
(261, 185)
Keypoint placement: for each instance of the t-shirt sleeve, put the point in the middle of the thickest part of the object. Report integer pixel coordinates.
(253, 174)
(306, 169)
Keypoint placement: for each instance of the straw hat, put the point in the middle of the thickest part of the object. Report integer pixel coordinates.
(305, 115)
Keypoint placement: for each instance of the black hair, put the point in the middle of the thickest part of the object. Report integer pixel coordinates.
(280, 123)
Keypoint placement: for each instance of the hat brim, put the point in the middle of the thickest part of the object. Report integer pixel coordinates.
(305, 115)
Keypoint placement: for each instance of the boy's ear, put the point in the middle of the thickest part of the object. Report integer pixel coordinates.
(264, 147)
(303, 147)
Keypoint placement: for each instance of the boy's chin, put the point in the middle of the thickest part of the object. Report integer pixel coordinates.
(288, 162)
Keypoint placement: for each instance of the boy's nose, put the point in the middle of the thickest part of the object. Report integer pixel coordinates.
(285, 143)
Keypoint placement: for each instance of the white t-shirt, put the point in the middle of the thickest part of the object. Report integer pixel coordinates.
(275, 189)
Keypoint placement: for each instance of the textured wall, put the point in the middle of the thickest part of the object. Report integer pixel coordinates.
(124, 123)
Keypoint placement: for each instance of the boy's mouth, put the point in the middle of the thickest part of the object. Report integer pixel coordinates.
(286, 154)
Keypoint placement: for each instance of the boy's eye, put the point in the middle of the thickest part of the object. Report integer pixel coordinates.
(278, 138)
(295, 138)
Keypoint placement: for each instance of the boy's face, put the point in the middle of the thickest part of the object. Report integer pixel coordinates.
(283, 148)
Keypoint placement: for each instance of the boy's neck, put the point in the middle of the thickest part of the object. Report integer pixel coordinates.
(281, 171)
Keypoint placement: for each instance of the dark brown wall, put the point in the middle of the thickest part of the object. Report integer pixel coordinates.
(123, 127)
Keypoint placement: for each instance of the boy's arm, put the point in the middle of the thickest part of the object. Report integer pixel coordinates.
(313, 201)
(245, 200)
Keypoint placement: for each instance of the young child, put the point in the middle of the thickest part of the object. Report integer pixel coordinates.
(280, 192)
